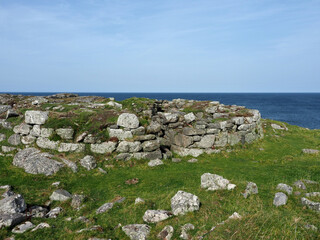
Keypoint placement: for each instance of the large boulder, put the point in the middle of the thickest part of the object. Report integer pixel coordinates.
(128, 120)
(184, 202)
(137, 231)
(36, 117)
(154, 216)
(35, 162)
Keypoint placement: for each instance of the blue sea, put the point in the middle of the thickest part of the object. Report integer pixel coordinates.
(302, 109)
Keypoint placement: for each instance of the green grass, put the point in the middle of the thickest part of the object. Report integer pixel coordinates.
(280, 161)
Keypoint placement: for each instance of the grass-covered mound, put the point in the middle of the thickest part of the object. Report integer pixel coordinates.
(277, 158)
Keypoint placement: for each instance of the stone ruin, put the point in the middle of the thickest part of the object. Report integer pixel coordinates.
(185, 127)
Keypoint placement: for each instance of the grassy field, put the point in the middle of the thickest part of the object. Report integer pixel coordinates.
(277, 158)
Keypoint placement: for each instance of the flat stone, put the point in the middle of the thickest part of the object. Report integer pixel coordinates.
(35, 162)
(7, 149)
(137, 231)
(125, 147)
(43, 142)
(154, 163)
(206, 141)
(310, 151)
(41, 226)
(60, 195)
(148, 155)
(28, 139)
(102, 148)
(22, 129)
(149, 146)
(183, 202)
(154, 216)
(183, 152)
(315, 206)
(23, 227)
(11, 219)
(71, 147)
(105, 207)
(120, 134)
(192, 131)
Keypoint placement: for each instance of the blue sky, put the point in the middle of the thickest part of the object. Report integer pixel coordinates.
(160, 46)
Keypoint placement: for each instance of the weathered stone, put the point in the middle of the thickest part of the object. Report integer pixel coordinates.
(28, 139)
(300, 184)
(149, 146)
(169, 117)
(193, 131)
(182, 140)
(148, 155)
(88, 162)
(54, 212)
(310, 151)
(183, 202)
(221, 139)
(206, 141)
(2, 137)
(114, 104)
(154, 127)
(35, 131)
(77, 201)
(12, 204)
(60, 195)
(7, 149)
(284, 187)
(22, 129)
(280, 199)
(190, 117)
(41, 226)
(139, 200)
(145, 137)
(186, 151)
(37, 212)
(70, 164)
(4, 124)
(128, 120)
(124, 156)
(23, 227)
(214, 182)
(36, 117)
(120, 134)
(251, 188)
(46, 132)
(315, 206)
(192, 160)
(234, 138)
(154, 163)
(71, 147)
(35, 162)
(47, 144)
(166, 233)
(90, 139)
(140, 131)
(184, 231)
(313, 194)
(14, 139)
(65, 133)
(105, 207)
(4, 108)
(131, 147)
(238, 120)
(81, 137)
(212, 109)
(277, 127)
(154, 216)
(11, 219)
(106, 147)
(137, 231)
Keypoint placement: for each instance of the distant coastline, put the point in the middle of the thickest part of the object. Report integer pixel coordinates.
(301, 109)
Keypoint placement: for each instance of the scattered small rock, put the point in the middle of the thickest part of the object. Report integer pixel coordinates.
(154, 216)
(300, 184)
(285, 188)
(310, 151)
(23, 227)
(166, 233)
(41, 226)
(193, 160)
(184, 231)
(280, 199)
(60, 195)
(183, 202)
(154, 163)
(54, 212)
(105, 207)
(176, 160)
(137, 231)
(139, 200)
(88, 162)
(251, 188)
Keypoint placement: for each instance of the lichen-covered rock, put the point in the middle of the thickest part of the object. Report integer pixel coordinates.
(60, 195)
(36, 117)
(28, 139)
(125, 147)
(105, 207)
(128, 120)
(155, 162)
(206, 141)
(70, 164)
(154, 216)
(251, 188)
(137, 231)
(4, 108)
(284, 187)
(154, 127)
(190, 117)
(182, 140)
(184, 231)
(148, 155)
(149, 146)
(65, 133)
(280, 199)
(6, 149)
(102, 148)
(120, 134)
(35, 162)
(22, 129)
(166, 233)
(71, 147)
(183, 202)
(214, 182)
(43, 142)
(41, 226)
(194, 152)
(11, 219)
(300, 184)
(14, 139)
(13, 204)
(88, 162)
(46, 132)
(23, 227)
(35, 131)
(2, 137)
(315, 206)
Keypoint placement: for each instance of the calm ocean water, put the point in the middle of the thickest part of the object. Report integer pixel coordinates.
(302, 109)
